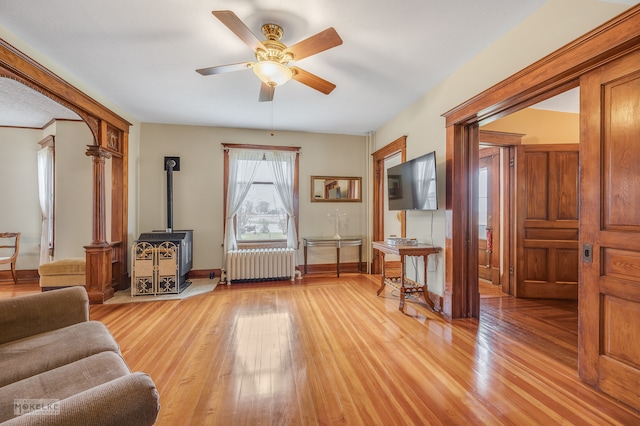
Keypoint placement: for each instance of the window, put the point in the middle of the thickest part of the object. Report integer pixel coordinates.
(483, 202)
(46, 195)
(261, 196)
(262, 216)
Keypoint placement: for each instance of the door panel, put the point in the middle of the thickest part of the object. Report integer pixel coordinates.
(566, 204)
(536, 198)
(547, 221)
(609, 309)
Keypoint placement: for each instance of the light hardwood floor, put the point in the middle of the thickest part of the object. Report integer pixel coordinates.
(327, 351)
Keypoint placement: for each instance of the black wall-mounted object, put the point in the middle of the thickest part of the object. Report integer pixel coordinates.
(171, 164)
(412, 185)
(176, 167)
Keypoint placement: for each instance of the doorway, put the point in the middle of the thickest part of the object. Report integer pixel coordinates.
(489, 216)
(548, 251)
(542, 175)
(109, 133)
(604, 323)
(496, 213)
(396, 150)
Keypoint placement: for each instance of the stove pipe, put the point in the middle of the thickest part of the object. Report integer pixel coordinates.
(171, 164)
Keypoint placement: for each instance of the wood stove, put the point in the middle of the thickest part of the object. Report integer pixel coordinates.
(162, 259)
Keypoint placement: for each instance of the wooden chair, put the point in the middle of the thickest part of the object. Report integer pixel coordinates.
(13, 237)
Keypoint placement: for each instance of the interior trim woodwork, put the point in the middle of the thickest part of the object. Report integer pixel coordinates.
(21, 275)
(555, 73)
(494, 138)
(508, 142)
(552, 74)
(16, 65)
(110, 132)
(330, 268)
(397, 146)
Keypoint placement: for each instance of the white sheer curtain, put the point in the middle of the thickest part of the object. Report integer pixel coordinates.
(45, 194)
(422, 172)
(282, 164)
(243, 164)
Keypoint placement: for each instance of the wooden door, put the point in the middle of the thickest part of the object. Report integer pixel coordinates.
(489, 215)
(547, 221)
(609, 308)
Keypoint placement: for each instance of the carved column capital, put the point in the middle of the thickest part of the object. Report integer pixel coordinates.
(97, 152)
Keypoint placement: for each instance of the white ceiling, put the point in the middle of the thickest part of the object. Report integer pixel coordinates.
(141, 55)
(568, 101)
(23, 107)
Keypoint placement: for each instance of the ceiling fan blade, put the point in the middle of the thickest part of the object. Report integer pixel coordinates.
(315, 44)
(266, 93)
(238, 27)
(312, 80)
(221, 69)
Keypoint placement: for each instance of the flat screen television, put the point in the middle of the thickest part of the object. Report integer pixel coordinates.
(412, 185)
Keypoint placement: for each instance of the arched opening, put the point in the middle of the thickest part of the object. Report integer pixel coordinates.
(43, 146)
(106, 256)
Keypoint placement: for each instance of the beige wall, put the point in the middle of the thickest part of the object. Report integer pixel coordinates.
(19, 205)
(133, 189)
(198, 186)
(73, 202)
(73, 189)
(562, 21)
(540, 126)
(134, 130)
(555, 24)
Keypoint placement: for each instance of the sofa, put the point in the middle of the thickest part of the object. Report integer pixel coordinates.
(59, 368)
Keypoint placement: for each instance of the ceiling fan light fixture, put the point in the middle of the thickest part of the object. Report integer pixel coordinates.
(272, 73)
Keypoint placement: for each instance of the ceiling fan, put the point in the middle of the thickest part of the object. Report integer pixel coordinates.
(273, 57)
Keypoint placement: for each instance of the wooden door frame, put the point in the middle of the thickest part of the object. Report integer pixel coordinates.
(553, 74)
(509, 256)
(399, 146)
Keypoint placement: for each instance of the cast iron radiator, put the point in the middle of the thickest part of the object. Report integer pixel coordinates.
(261, 264)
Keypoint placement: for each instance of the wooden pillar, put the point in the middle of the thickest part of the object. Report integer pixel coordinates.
(461, 298)
(453, 243)
(119, 194)
(99, 251)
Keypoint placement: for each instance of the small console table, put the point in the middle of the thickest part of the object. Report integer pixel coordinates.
(405, 285)
(333, 242)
